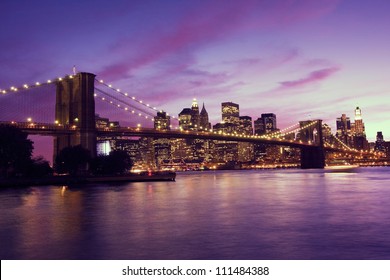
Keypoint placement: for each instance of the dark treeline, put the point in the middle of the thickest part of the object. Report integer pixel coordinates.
(16, 159)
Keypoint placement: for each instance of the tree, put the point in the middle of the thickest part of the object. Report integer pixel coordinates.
(38, 167)
(117, 162)
(15, 150)
(72, 160)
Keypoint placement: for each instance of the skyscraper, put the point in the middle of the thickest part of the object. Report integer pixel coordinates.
(195, 114)
(230, 113)
(358, 132)
(265, 124)
(185, 119)
(269, 122)
(359, 129)
(189, 118)
(246, 125)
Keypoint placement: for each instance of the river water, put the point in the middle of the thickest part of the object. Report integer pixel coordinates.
(256, 214)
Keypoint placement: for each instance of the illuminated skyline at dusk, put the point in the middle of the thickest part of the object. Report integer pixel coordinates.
(297, 59)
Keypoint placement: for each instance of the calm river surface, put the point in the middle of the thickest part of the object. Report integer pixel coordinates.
(257, 214)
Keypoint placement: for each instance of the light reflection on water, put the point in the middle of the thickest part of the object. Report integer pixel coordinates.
(277, 214)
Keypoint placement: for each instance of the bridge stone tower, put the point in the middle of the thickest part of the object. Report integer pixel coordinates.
(312, 156)
(75, 107)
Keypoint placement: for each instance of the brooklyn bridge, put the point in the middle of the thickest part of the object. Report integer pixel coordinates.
(75, 111)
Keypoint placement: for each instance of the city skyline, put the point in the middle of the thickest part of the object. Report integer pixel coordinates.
(298, 60)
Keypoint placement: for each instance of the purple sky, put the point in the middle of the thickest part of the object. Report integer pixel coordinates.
(298, 59)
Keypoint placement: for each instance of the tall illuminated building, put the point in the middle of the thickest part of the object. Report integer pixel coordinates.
(189, 118)
(230, 113)
(245, 149)
(265, 124)
(359, 134)
(359, 125)
(195, 114)
(269, 122)
(246, 125)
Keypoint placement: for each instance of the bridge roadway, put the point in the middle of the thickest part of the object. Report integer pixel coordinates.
(48, 129)
(56, 129)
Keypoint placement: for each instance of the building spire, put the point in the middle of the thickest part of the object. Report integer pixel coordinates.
(203, 112)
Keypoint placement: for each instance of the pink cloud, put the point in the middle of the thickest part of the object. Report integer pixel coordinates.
(313, 77)
(209, 23)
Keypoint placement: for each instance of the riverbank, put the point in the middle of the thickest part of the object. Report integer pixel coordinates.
(66, 180)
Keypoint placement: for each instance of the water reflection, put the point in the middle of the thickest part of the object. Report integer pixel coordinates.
(279, 214)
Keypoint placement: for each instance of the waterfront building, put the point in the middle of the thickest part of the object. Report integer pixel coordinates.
(162, 151)
(130, 146)
(103, 147)
(146, 148)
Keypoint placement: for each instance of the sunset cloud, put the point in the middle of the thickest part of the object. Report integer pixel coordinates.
(313, 77)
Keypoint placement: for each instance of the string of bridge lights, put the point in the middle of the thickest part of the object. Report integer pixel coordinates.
(284, 132)
(14, 89)
(126, 109)
(279, 133)
(346, 147)
(343, 144)
(34, 85)
(50, 81)
(107, 95)
(133, 98)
